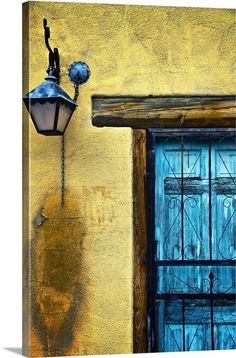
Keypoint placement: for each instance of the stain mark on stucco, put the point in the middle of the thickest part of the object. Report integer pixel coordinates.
(99, 206)
(57, 287)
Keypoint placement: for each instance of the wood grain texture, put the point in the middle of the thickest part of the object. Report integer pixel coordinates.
(165, 111)
(140, 244)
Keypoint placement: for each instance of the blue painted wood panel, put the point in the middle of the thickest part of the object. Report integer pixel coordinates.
(195, 221)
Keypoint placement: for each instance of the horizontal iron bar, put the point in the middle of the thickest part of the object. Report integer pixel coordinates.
(196, 263)
(215, 296)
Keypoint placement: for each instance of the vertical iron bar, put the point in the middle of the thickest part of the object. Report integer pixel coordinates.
(182, 197)
(212, 326)
(56, 116)
(183, 319)
(210, 203)
(211, 277)
(62, 171)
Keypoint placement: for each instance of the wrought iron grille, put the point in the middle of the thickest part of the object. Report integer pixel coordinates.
(191, 210)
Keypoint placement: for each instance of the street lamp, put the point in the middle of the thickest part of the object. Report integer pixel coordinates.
(50, 107)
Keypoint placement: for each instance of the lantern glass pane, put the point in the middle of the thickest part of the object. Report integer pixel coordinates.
(64, 116)
(44, 115)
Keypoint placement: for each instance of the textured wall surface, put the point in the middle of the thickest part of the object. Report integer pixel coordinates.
(80, 291)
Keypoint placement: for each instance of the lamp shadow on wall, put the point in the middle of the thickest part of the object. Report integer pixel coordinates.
(58, 288)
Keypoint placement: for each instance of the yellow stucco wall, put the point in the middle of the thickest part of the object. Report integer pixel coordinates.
(81, 256)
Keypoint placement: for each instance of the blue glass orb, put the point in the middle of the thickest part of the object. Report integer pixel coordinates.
(79, 73)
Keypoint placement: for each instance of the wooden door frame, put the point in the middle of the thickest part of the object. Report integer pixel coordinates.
(142, 113)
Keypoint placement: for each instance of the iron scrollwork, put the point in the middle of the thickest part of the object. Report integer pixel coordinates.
(208, 293)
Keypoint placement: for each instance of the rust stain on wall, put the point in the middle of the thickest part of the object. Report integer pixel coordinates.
(99, 207)
(57, 286)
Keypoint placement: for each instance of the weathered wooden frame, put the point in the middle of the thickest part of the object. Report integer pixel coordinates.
(141, 113)
(164, 111)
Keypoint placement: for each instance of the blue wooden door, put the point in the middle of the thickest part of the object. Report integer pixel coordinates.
(195, 232)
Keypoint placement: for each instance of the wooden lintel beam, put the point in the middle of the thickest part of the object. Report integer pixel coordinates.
(163, 112)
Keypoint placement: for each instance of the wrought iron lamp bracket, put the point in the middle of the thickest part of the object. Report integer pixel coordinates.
(53, 58)
(78, 72)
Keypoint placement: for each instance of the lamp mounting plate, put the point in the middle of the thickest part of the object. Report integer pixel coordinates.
(79, 73)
